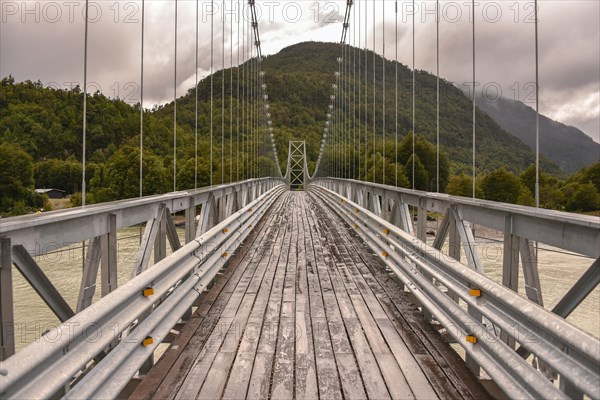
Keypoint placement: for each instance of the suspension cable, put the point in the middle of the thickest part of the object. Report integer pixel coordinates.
(413, 95)
(359, 93)
(223, 92)
(366, 91)
(396, 98)
(354, 93)
(175, 108)
(537, 113)
(142, 105)
(437, 114)
(383, 93)
(473, 25)
(243, 99)
(212, 56)
(196, 113)
(85, 52)
(374, 93)
(237, 152)
(231, 95)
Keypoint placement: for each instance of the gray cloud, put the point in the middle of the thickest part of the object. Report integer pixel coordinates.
(51, 48)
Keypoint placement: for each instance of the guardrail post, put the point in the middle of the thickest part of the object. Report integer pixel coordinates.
(510, 268)
(151, 233)
(529, 259)
(171, 231)
(89, 275)
(422, 219)
(207, 216)
(442, 231)
(160, 243)
(360, 197)
(190, 221)
(375, 204)
(222, 207)
(7, 327)
(108, 258)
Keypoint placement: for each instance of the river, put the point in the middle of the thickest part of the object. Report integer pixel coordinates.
(558, 271)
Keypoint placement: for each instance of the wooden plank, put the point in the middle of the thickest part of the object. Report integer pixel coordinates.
(373, 318)
(445, 369)
(207, 368)
(306, 369)
(177, 371)
(313, 315)
(282, 386)
(260, 379)
(327, 374)
(242, 367)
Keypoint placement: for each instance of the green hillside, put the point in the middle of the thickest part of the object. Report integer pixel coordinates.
(41, 129)
(300, 78)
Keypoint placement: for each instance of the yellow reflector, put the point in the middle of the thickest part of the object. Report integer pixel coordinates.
(471, 339)
(384, 253)
(147, 342)
(475, 292)
(225, 254)
(386, 231)
(225, 230)
(149, 291)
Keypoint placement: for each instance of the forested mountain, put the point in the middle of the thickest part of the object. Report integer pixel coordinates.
(300, 79)
(567, 146)
(41, 130)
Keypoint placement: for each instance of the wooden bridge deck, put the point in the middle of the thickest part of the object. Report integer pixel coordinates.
(307, 312)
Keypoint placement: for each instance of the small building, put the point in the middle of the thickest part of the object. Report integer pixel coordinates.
(52, 193)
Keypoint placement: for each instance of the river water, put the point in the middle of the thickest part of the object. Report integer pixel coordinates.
(558, 271)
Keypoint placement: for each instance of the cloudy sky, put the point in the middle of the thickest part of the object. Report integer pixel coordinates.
(44, 40)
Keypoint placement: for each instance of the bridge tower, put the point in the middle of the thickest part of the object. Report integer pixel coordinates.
(296, 168)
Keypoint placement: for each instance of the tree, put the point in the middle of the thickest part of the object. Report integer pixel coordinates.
(16, 181)
(59, 174)
(460, 185)
(591, 174)
(426, 153)
(421, 174)
(501, 185)
(528, 178)
(121, 175)
(583, 197)
(390, 172)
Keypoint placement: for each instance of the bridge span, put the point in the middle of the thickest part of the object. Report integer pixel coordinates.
(329, 293)
(307, 311)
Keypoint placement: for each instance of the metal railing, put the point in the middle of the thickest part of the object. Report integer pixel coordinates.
(487, 319)
(117, 334)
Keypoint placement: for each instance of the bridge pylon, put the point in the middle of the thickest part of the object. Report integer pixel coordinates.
(296, 174)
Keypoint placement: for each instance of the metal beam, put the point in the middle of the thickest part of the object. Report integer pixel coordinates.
(171, 231)
(569, 231)
(468, 241)
(442, 232)
(160, 242)
(529, 259)
(32, 272)
(89, 275)
(422, 219)
(207, 216)
(190, 223)
(108, 262)
(150, 234)
(7, 321)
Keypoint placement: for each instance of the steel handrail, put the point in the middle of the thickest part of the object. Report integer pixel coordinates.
(41, 369)
(574, 354)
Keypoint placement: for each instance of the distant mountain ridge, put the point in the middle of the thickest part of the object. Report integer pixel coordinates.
(567, 146)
